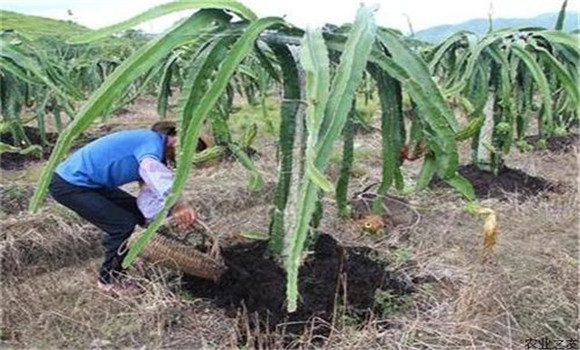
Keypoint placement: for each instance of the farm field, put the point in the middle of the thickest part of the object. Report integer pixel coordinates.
(529, 290)
(355, 188)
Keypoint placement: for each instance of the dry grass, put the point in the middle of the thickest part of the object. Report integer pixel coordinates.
(35, 244)
(220, 190)
(63, 309)
(529, 288)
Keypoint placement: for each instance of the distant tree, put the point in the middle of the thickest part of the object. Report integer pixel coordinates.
(136, 35)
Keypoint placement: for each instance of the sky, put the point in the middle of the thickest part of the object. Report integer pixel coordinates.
(303, 13)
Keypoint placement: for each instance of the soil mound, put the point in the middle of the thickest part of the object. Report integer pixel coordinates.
(16, 161)
(508, 180)
(556, 144)
(330, 276)
(11, 161)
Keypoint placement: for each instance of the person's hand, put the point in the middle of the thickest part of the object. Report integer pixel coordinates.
(184, 217)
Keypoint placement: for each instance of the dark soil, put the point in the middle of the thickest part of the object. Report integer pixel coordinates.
(556, 144)
(328, 277)
(12, 161)
(508, 180)
(15, 161)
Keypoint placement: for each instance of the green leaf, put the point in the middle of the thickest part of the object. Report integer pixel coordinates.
(423, 90)
(318, 178)
(559, 37)
(462, 185)
(546, 126)
(478, 92)
(26, 67)
(561, 16)
(32, 149)
(208, 154)
(255, 235)
(563, 75)
(346, 165)
(427, 172)
(266, 62)
(475, 53)
(187, 149)
(21, 72)
(314, 60)
(439, 134)
(162, 10)
(255, 181)
(445, 47)
(138, 63)
(393, 135)
(471, 129)
(249, 136)
(194, 87)
(288, 110)
(348, 75)
(165, 86)
(472, 207)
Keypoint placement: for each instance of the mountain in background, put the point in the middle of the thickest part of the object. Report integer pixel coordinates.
(36, 26)
(479, 25)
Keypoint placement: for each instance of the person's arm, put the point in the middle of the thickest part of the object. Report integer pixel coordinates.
(159, 179)
(156, 176)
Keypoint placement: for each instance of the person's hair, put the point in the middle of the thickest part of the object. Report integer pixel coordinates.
(165, 127)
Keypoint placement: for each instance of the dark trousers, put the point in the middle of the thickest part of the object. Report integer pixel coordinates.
(112, 210)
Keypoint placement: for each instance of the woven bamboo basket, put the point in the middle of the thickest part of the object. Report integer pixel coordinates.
(175, 255)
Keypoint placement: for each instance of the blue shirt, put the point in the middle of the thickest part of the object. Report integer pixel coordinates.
(113, 160)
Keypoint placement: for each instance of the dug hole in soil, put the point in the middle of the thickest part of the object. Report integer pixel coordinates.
(331, 275)
(508, 180)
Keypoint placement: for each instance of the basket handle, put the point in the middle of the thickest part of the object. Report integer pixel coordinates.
(215, 251)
